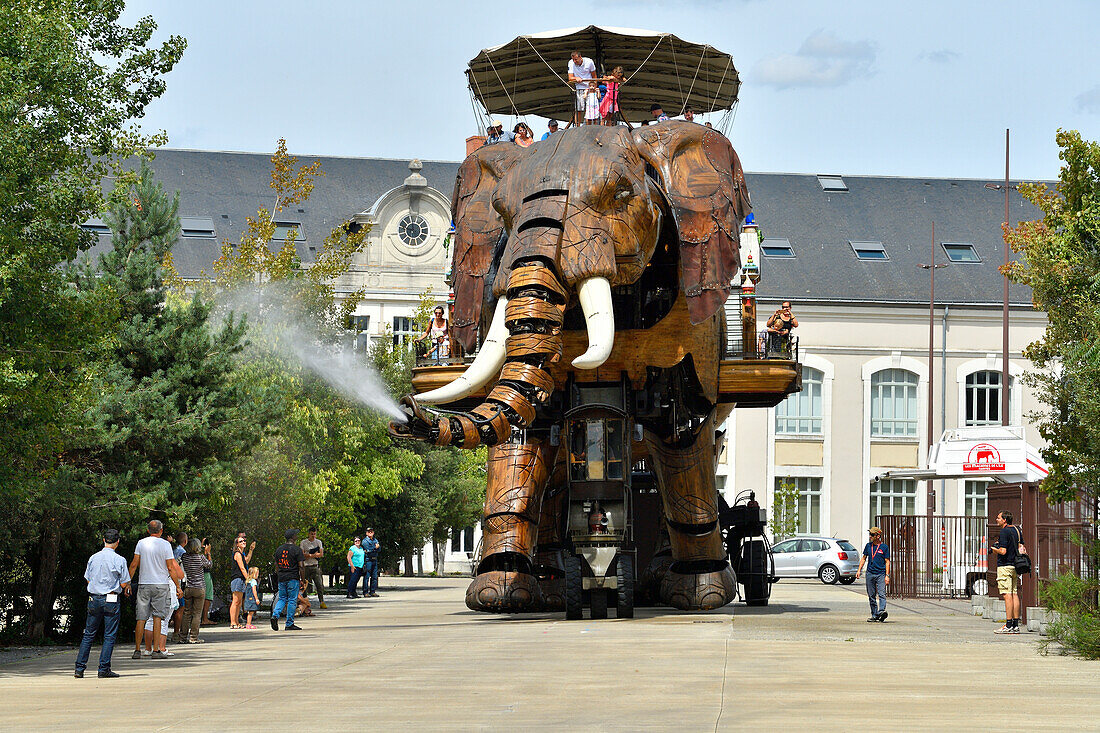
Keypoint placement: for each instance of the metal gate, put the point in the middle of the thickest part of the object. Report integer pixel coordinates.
(947, 559)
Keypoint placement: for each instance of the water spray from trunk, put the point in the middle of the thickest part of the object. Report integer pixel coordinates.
(273, 325)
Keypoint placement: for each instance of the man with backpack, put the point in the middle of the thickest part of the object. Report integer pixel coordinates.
(1008, 581)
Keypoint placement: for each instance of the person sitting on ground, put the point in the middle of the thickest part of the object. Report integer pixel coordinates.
(252, 596)
(592, 104)
(609, 106)
(658, 113)
(304, 606)
(495, 134)
(524, 137)
(551, 128)
(580, 70)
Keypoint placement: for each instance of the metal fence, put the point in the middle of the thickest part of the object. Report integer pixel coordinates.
(766, 345)
(947, 559)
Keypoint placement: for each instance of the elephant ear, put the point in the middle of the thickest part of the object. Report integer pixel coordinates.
(702, 177)
(478, 229)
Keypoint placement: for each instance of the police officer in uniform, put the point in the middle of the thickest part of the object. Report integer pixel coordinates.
(370, 566)
(107, 577)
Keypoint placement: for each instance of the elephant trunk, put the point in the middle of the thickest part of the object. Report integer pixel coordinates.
(532, 314)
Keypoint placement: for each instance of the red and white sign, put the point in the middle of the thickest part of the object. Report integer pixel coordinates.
(984, 457)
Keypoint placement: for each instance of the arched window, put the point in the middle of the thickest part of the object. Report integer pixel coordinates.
(801, 413)
(983, 398)
(894, 404)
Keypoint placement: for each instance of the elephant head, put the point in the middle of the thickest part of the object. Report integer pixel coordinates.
(564, 221)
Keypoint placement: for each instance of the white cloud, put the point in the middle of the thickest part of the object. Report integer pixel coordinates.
(1088, 101)
(940, 56)
(824, 60)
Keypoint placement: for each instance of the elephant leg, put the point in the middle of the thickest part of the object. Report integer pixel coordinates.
(549, 557)
(700, 577)
(517, 475)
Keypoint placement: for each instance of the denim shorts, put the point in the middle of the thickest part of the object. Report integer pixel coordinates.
(237, 585)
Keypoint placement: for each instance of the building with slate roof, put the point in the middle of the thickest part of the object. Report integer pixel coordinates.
(846, 250)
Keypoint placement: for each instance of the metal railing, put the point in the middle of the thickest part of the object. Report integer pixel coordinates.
(767, 345)
(947, 559)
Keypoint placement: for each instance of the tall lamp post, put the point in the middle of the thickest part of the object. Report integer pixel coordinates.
(930, 496)
(1006, 187)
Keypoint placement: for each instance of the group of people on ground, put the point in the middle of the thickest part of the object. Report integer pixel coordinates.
(876, 557)
(175, 585)
(363, 564)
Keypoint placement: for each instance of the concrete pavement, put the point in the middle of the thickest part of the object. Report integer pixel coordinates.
(417, 659)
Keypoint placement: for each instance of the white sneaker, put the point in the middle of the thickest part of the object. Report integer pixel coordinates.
(1003, 630)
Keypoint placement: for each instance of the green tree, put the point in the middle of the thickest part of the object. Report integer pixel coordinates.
(1061, 265)
(455, 482)
(785, 510)
(70, 78)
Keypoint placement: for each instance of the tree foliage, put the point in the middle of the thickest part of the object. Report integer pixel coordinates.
(70, 78)
(785, 510)
(1061, 265)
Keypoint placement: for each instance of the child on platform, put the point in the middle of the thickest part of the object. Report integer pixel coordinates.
(592, 104)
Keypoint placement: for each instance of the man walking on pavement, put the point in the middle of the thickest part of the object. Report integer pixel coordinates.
(107, 578)
(1008, 582)
(159, 572)
(370, 564)
(288, 557)
(312, 551)
(876, 554)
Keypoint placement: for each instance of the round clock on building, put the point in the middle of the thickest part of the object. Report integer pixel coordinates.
(413, 230)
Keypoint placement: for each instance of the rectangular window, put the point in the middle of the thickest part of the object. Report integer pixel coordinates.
(776, 247)
(974, 495)
(283, 229)
(404, 330)
(809, 502)
(983, 398)
(892, 496)
(961, 252)
(97, 226)
(801, 413)
(196, 226)
(894, 404)
(869, 250)
(832, 184)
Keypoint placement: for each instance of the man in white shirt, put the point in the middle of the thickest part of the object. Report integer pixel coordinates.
(581, 69)
(159, 570)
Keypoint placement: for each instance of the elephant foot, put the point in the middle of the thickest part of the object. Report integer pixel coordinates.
(553, 593)
(504, 591)
(700, 591)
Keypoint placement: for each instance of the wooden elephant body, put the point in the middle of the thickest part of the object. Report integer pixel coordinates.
(599, 256)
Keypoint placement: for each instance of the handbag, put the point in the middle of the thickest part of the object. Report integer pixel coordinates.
(1023, 560)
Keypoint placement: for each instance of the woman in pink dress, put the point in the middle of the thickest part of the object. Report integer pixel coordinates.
(609, 107)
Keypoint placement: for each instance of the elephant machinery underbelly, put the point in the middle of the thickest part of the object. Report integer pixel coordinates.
(597, 255)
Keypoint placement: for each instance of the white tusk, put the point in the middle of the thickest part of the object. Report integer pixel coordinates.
(485, 366)
(595, 297)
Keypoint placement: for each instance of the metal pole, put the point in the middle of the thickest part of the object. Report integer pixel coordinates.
(1004, 311)
(930, 499)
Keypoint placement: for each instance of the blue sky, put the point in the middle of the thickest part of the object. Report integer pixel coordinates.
(885, 88)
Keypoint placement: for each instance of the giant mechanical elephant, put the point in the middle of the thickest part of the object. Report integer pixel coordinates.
(628, 237)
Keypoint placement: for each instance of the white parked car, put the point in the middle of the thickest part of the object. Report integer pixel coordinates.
(828, 558)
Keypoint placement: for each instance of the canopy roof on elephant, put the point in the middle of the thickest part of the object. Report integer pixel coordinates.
(527, 75)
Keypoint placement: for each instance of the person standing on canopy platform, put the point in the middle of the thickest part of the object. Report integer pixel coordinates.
(609, 107)
(581, 70)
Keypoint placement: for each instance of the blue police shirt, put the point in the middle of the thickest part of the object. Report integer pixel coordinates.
(371, 548)
(106, 572)
(876, 555)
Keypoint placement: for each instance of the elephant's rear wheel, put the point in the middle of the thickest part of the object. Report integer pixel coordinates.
(574, 600)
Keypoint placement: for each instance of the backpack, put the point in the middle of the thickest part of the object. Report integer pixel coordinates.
(1023, 560)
